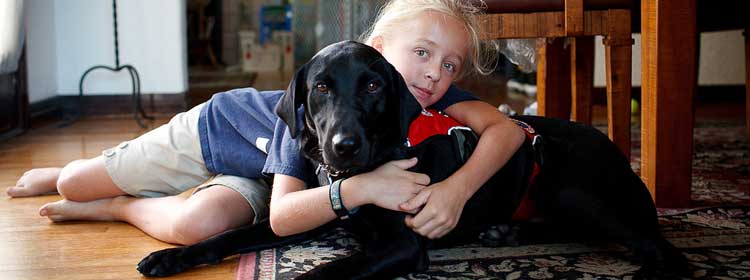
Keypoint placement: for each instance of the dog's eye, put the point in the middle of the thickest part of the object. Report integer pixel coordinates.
(372, 87)
(321, 87)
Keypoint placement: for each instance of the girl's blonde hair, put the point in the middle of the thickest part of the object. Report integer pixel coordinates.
(480, 59)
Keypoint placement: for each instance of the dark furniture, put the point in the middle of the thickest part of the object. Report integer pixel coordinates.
(669, 79)
(14, 102)
(565, 78)
(669, 55)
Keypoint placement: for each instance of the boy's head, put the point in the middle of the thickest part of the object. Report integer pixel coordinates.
(431, 42)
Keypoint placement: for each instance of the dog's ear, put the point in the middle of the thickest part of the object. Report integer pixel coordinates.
(294, 97)
(409, 108)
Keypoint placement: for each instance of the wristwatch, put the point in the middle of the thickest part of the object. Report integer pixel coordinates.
(334, 194)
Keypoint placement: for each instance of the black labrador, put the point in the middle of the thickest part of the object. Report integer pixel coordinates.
(357, 111)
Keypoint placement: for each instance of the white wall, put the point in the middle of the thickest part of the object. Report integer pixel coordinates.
(721, 59)
(152, 38)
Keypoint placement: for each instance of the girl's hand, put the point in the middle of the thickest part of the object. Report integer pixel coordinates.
(389, 185)
(441, 212)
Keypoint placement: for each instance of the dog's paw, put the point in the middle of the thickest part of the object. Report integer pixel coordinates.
(163, 263)
(500, 235)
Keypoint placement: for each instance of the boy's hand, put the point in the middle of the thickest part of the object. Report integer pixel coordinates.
(441, 212)
(390, 184)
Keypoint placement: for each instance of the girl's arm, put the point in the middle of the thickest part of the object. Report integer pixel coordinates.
(444, 201)
(296, 209)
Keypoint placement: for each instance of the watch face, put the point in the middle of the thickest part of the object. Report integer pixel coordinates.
(336, 203)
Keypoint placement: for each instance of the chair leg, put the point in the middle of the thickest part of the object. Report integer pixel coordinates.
(618, 67)
(747, 81)
(618, 44)
(552, 79)
(582, 78)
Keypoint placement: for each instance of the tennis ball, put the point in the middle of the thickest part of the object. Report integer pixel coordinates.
(634, 106)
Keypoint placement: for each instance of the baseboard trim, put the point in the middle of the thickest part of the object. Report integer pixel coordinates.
(45, 107)
(719, 94)
(109, 104)
(704, 94)
(174, 103)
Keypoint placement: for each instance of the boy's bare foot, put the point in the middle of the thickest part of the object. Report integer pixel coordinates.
(35, 182)
(66, 210)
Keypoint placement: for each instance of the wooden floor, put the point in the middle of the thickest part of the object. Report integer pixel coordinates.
(31, 247)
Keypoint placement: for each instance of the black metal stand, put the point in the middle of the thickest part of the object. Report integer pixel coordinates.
(135, 79)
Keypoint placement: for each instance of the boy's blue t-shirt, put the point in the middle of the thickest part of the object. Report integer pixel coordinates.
(241, 135)
(452, 96)
(235, 130)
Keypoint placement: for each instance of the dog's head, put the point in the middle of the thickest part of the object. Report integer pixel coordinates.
(357, 107)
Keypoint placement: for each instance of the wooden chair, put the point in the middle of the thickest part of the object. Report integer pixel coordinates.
(669, 69)
(565, 78)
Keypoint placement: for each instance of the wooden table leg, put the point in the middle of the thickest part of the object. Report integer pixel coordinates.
(668, 62)
(553, 79)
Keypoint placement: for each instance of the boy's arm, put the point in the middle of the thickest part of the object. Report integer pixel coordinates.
(286, 205)
(296, 209)
(444, 201)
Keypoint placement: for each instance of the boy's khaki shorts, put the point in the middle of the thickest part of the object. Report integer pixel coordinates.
(168, 161)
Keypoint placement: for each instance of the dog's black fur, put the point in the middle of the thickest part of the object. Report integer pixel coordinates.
(357, 112)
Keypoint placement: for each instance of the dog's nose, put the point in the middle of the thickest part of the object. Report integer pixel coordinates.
(346, 144)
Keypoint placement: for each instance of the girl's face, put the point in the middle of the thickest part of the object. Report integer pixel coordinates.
(428, 52)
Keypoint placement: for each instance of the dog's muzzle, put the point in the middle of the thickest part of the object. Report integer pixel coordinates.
(346, 145)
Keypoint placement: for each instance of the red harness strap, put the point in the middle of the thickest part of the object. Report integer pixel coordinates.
(526, 209)
(432, 122)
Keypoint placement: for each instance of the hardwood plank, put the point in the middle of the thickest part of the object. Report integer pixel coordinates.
(668, 61)
(32, 247)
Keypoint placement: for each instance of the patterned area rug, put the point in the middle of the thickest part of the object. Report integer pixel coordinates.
(714, 235)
